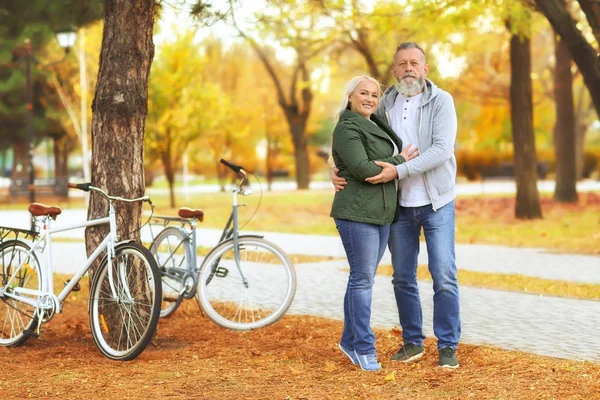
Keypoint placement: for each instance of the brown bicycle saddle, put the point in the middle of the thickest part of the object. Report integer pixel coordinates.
(38, 209)
(185, 212)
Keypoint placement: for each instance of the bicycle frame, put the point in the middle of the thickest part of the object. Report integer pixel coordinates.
(190, 237)
(233, 232)
(231, 229)
(38, 246)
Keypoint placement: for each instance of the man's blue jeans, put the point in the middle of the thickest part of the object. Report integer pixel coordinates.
(364, 245)
(438, 227)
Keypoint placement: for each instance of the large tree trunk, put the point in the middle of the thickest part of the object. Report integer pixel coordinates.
(583, 53)
(119, 111)
(564, 130)
(521, 113)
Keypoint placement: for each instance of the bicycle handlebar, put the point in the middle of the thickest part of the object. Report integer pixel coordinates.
(233, 167)
(81, 186)
(86, 187)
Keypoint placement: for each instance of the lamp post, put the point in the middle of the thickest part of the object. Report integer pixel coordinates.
(66, 39)
(29, 119)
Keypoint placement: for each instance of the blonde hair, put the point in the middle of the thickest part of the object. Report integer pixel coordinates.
(345, 105)
(350, 87)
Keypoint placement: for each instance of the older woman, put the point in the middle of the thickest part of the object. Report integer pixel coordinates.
(362, 211)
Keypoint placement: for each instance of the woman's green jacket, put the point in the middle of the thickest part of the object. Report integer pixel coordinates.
(357, 143)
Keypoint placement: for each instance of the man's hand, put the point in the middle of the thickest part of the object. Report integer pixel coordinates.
(338, 183)
(387, 174)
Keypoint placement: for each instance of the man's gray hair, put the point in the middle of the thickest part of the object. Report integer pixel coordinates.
(408, 45)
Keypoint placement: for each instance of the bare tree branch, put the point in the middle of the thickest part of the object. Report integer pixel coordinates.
(591, 9)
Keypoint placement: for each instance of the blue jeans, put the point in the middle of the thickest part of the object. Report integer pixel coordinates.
(438, 227)
(364, 245)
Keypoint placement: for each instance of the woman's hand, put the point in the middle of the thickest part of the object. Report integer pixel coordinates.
(410, 152)
(338, 183)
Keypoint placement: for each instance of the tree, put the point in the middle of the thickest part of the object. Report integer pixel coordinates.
(119, 113)
(591, 9)
(518, 19)
(373, 34)
(584, 117)
(232, 119)
(37, 21)
(178, 105)
(583, 53)
(294, 25)
(521, 106)
(564, 130)
(72, 80)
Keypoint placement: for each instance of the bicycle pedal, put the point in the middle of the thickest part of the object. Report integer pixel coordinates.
(34, 332)
(221, 272)
(76, 288)
(31, 333)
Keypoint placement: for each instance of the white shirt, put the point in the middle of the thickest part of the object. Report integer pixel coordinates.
(404, 120)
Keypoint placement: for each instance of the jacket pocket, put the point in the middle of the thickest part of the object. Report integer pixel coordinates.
(441, 179)
(361, 201)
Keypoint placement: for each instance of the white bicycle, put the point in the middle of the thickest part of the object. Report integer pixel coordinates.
(125, 291)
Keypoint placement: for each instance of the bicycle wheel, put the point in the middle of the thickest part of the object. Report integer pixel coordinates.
(259, 300)
(173, 254)
(17, 319)
(123, 322)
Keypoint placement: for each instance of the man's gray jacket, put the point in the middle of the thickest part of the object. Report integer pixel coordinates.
(436, 134)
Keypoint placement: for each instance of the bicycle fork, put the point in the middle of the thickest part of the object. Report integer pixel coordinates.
(111, 254)
(236, 244)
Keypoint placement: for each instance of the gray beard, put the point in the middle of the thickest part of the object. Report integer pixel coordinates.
(410, 89)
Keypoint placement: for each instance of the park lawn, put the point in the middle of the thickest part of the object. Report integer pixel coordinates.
(568, 228)
(296, 358)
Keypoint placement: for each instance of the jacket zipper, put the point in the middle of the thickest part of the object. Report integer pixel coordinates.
(424, 173)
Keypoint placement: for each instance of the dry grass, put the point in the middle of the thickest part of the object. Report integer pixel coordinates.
(513, 282)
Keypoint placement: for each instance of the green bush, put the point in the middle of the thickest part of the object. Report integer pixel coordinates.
(476, 165)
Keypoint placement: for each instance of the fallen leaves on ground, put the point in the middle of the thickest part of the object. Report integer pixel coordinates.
(296, 358)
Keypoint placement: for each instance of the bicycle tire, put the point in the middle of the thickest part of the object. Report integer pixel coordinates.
(18, 319)
(269, 292)
(172, 251)
(122, 327)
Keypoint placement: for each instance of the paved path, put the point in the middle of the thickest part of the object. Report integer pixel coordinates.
(483, 258)
(565, 328)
